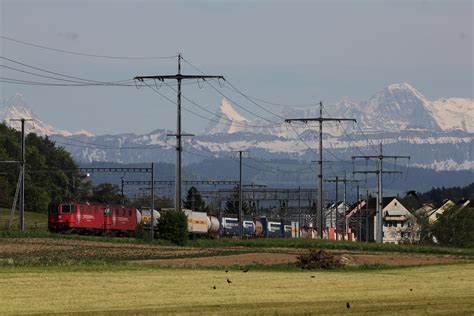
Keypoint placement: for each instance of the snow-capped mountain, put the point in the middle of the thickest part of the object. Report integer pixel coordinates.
(398, 107)
(227, 120)
(436, 134)
(16, 107)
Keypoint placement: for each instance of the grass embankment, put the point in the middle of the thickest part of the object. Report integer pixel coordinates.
(147, 290)
(33, 221)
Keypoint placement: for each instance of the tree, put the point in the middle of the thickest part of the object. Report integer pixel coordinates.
(455, 227)
(173, 226)
(232, 205)
(194, 201)
(41, 154)
(106, 193)
(160, 202)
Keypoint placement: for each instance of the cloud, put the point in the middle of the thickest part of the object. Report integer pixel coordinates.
(463, 36)
(69, 35)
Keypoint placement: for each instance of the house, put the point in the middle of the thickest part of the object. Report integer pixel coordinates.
(335, 221)
(357, 221)
(447, 205)
(399, 225)
(435, 214)
(425, 210)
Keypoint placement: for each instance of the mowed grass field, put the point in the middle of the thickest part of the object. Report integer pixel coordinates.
(128, 290)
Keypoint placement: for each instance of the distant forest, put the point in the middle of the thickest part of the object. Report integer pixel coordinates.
(437, 196)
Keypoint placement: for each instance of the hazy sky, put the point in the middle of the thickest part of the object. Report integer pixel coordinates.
(282, 51)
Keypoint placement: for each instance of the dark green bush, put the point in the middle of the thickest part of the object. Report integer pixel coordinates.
(173, 226)
(318, 259)
(141, 233)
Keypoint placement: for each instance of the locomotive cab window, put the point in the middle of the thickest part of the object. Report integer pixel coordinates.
(89, 209)
(106, 211)
(66, 209)
(96, 210)
(124, 212)
(116, 212)
(130, 213)
(53, 209)
(82, 209)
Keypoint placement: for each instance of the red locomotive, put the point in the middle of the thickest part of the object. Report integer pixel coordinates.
(91, 218)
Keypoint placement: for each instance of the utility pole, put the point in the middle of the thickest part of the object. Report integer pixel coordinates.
(299, 212)
(179, 78)
(320, 119)
(336, 206)
(241, 215)
(379, 172)
(22, 168)
(360, 214)
(152, 215)
(122, 179)
(367, 219)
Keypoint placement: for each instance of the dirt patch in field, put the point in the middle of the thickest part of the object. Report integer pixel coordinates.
(401, 259)
(265, 258)
(56, 249)
(240, 259)
(32, 248)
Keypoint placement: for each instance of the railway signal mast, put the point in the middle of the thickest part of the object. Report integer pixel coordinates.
(379, 172)
(179, 78)
(320, 119)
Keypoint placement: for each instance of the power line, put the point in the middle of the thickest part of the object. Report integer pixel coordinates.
(345, 132)
(179, 77)
(206, 110)
(320, 119)
(270, 102)
(233, 101)
(98, 146)
(59, 74)
(82, 54)
(199, 115)
(39, 75)
(379, 172)
(250, 97)
(370, 143)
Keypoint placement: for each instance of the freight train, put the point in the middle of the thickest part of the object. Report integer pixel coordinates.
(119, 220)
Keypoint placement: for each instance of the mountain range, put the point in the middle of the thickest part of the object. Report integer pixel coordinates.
(437, 134)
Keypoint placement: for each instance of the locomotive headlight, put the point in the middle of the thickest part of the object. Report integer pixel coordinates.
(59, 216)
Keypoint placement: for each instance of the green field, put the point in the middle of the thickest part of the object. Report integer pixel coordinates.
(33, 221)
(440, 289)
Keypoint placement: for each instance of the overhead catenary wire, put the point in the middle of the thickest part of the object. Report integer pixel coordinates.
(82, 53)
